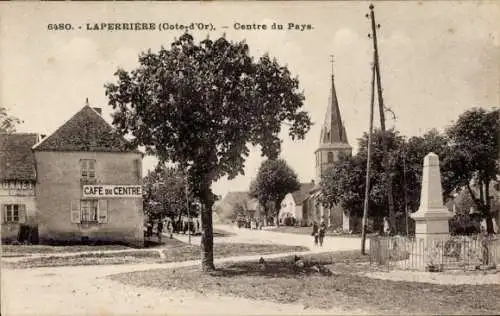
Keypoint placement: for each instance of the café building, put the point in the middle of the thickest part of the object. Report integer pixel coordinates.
(88, 184)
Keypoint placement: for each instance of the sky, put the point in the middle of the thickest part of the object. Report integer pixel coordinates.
(438, 59)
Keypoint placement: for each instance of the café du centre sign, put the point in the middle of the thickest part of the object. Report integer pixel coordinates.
(112, 191)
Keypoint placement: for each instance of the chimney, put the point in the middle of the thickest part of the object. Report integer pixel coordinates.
(98, 110)
(312, 181)
(42, 136)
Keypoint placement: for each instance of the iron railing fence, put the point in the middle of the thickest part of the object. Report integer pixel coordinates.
(450, 253)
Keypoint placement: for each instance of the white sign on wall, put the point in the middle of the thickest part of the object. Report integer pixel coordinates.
(112, 191)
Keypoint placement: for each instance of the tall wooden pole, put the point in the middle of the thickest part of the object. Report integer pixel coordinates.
(387, 165)
(187, 207)
(368, 160)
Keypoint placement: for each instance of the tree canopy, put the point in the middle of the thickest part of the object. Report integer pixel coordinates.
(7, 122)
(275, 179)
(344, 183)
(201, 106)
(474, 163)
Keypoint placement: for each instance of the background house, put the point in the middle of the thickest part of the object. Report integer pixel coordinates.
(88, 184)
(17, 186)
(238, 203)
(294, 205)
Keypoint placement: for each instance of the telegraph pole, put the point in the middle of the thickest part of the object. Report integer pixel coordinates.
(368, 160)
(187, 207)
(387, 164)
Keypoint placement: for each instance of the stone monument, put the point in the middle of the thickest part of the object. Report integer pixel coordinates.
(431, 219)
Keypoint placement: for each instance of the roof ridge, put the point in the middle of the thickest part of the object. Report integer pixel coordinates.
(86, 130)
(60, 126)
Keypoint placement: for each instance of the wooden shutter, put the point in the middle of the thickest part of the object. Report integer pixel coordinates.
(75, 212)
(22, 213)
(102, 211)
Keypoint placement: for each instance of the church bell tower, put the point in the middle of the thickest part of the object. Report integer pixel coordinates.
(333, 138)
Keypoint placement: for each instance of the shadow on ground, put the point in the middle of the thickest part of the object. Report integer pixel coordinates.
(287, 267)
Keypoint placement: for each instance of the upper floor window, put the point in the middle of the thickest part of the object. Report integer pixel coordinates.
(330, 157)
(87, 168)
(14, 213)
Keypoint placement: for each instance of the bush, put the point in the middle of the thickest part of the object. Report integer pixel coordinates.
(289, 221)
(463, 224)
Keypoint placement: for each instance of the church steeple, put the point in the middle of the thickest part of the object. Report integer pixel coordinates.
(333, 137)
(333, 130)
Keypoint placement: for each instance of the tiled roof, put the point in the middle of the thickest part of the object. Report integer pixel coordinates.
(301, 194)
(85, 131)
(17, 161)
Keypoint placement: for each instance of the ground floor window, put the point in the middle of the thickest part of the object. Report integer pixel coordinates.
(13, 213)
(89, 211)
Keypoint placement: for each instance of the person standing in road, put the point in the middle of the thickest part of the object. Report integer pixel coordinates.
(159, 229)
(315, 233)
(321, 233)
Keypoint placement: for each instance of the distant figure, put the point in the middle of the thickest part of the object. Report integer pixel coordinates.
(197, 225)
(159, 229)
(315, 233)
(149, 229)
(321, 233)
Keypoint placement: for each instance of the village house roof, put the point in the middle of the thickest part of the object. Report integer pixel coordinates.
(85, 131)
(302, 194)
(17, 161)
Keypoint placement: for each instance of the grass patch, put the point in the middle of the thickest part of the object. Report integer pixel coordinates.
(44, 249)
(172, 250)
(283, 281)
(126, 257)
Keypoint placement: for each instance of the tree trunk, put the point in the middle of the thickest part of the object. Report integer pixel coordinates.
(277, 207)
(266, 214)
(489, 218)
(489, 224)
(207, 237)
(207, 240)
(392, 212)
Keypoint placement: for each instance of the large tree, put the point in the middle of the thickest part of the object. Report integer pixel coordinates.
(275, 179)
(474, 162)
(7, 122)
(414, 151)
(201, 106)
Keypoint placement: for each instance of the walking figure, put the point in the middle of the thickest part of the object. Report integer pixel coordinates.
(315, 233)
(159, 229)
(321, 233)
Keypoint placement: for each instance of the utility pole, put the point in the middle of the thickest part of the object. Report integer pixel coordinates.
(368, 160)
(404, 188)
(387, 164)
(187, 207)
